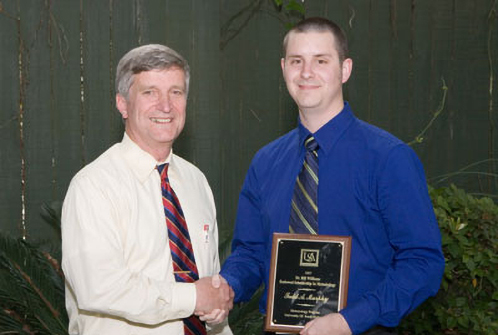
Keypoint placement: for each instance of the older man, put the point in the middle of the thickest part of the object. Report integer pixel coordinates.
(139, 224)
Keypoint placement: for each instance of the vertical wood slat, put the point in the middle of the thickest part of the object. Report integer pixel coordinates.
(493, 90)
(65, 95)
(359, 45)
(205, 129)
(97, 108)
(35, 18)
(10, 155)
(400, 53)
(255, 104)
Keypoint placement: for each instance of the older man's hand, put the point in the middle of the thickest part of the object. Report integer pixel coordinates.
(214, 299)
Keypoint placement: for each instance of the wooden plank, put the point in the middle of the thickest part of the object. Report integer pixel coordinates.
(439, 17)
(379, 64)
(251, 88)
(360, 48)
(35, 18)
(98, 112)
(10, 156)
(423, 81)
(124, 36)
(400, 73)
(204, 129)
(230, 110)
(153, 18)
(65, 96)
(492, 128)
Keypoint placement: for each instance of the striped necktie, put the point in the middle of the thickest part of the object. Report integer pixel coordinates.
(304, 211)
(182, 254)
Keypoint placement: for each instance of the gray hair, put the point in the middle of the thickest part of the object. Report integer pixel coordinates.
(320, 24)
(146, 58)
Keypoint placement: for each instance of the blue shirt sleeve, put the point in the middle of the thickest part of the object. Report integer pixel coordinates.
(417, 267)
(244, 268)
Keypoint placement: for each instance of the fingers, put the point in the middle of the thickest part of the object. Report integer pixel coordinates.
(215, 317)
(333, 323)
(307, 326)
(220, 318)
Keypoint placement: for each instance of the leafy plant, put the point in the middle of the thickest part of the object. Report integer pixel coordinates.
(287, 12)
(467, 302)
(246, 318)
(31, 290)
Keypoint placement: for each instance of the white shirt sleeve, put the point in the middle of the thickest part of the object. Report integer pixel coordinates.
(96, 266)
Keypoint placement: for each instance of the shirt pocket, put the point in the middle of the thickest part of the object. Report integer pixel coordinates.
(205, 247)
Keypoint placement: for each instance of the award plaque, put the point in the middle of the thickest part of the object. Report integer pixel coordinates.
(308, 278)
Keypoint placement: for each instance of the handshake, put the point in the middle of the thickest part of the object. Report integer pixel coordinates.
(214, 299)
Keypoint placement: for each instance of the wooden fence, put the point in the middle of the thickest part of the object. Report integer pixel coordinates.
(412, 58)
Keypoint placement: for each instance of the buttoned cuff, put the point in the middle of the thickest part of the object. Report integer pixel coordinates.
(184, 297)
(234, 284)
(360, 316)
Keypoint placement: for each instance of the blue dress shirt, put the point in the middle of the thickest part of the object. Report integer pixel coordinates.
(372, 187)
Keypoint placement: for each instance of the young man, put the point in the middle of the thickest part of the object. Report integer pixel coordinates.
(367, 184)
(139, 223)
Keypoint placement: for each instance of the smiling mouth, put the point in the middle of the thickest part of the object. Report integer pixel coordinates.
(160, 120)
(307, 86)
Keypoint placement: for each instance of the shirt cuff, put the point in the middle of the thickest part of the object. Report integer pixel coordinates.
(234, 284)
(360, 316)
(184, 298)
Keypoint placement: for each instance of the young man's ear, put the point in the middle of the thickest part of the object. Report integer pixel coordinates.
(347, 67)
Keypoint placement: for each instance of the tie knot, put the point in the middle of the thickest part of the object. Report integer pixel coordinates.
(163, 169)
(311, 144)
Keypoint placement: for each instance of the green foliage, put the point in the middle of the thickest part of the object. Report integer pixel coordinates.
(467, 302)
(32, 284)
(246, 318)
(291, 11)
(31, 290)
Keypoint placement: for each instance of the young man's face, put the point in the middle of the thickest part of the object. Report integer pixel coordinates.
(155, 108)
(313, 72)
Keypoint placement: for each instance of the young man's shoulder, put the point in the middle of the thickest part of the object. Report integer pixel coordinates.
(280, 146)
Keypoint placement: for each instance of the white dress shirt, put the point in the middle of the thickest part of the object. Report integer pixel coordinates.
(116, 256)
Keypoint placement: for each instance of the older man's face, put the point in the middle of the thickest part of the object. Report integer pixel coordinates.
(155, 108)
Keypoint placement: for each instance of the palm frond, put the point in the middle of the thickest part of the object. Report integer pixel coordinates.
(31, 290)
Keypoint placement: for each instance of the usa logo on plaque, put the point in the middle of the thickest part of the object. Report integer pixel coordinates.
(309, 257)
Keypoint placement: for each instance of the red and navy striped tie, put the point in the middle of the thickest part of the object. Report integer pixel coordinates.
(304, 205)
(184, 267)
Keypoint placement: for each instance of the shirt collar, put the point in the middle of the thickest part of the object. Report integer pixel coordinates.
(330, 132)
(141, 162)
